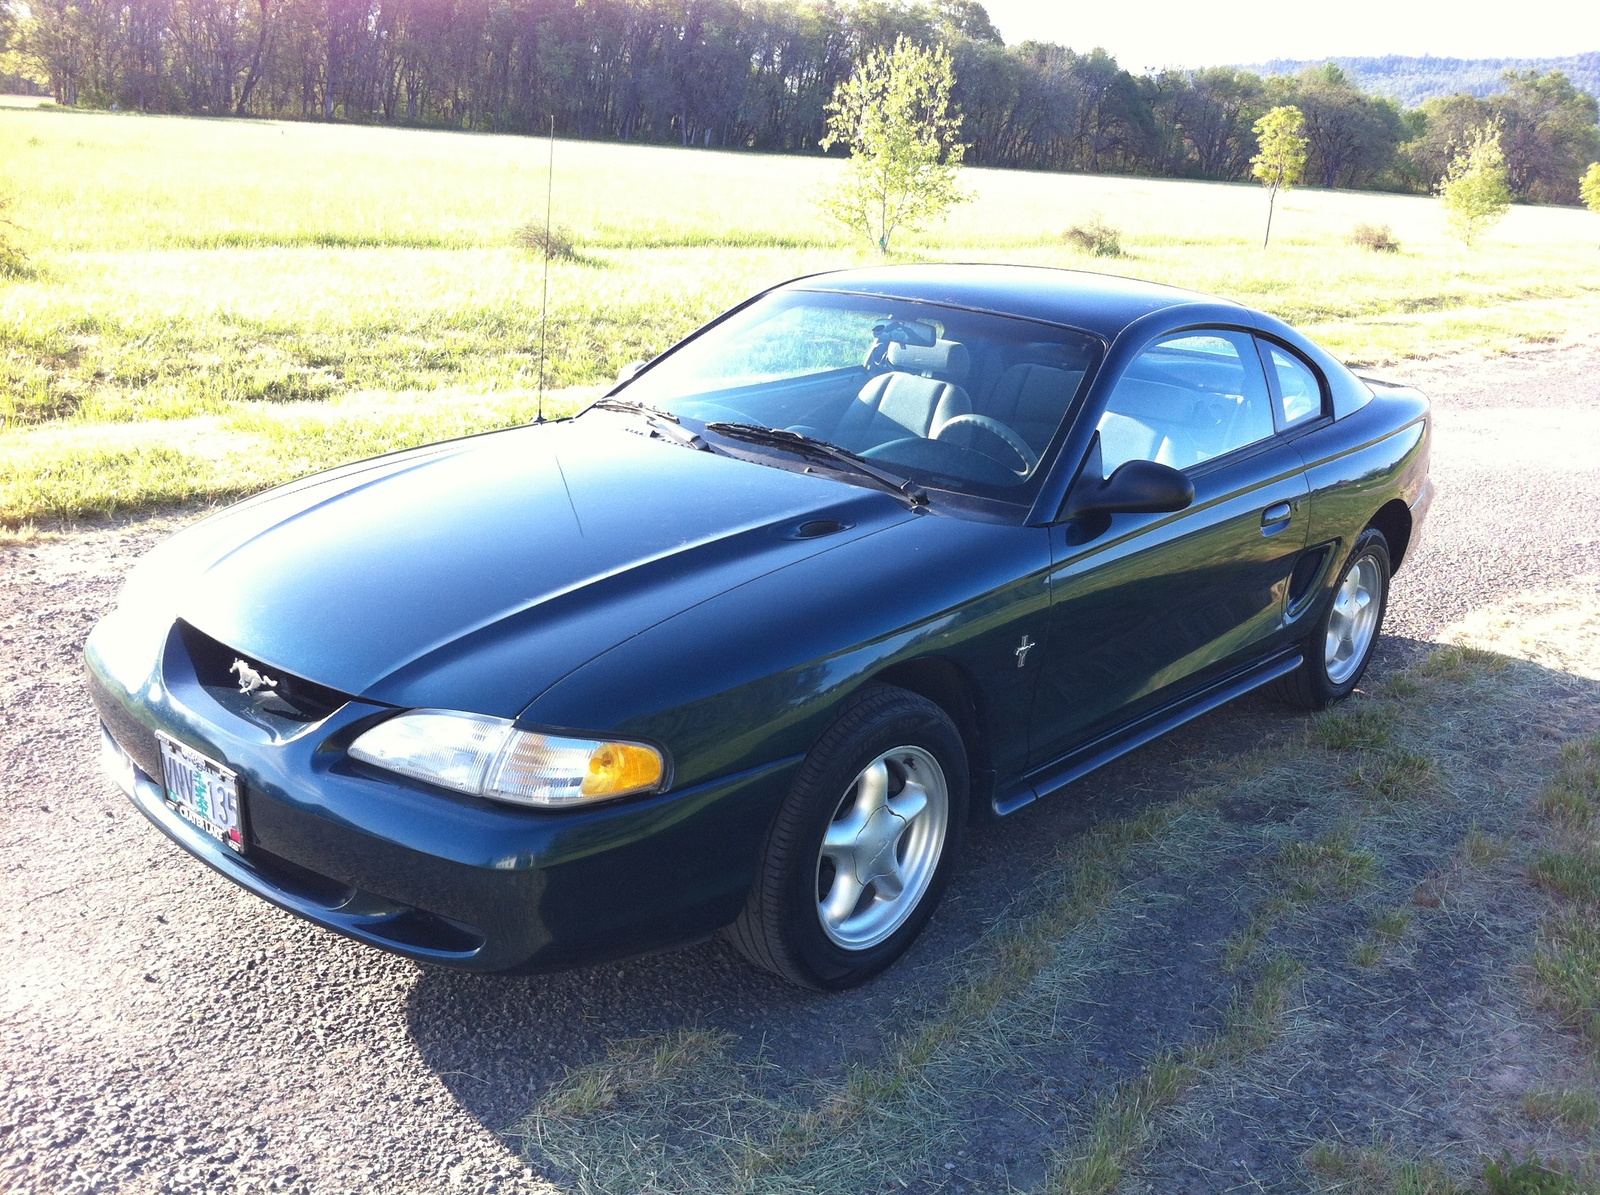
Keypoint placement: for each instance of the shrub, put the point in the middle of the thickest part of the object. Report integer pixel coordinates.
(1377, 237)
(556, 243)
(14, 261)
(1096, 237)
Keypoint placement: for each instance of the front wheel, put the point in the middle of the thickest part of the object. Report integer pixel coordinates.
(1338, 651)
(863, 846)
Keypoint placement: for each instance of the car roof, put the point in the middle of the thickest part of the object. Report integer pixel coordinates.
(1100, 303)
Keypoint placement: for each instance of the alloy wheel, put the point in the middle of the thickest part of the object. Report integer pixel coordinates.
(882, 848)
(1354, 620)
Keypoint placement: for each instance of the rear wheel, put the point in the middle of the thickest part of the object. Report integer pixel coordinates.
(1339, 649)
(862, 848)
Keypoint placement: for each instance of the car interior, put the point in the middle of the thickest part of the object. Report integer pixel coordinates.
(978, 409)
(977, 399)
(1185, 400)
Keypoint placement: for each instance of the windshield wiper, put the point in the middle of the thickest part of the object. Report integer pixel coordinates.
(662, 423)
(841, 459)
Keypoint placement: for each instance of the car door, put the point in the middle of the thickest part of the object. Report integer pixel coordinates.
(1146, 608)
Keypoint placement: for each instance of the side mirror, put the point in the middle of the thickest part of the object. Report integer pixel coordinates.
(1135, 486)
(627, 372)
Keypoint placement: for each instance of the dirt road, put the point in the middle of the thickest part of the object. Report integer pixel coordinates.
(160, 1030)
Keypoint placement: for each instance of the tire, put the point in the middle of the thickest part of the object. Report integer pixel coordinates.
(867, 798)
(1332, 669)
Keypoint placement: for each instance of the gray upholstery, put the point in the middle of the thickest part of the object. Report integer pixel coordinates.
(1032, 399)
(947, 358)
(1123, 438)
(1172, 425)
(908, 400)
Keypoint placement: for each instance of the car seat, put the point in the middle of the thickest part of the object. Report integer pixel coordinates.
(917, 396)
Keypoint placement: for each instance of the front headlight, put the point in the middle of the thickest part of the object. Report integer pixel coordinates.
(489, 757)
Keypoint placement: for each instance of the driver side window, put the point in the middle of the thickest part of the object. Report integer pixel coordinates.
(1186, 399)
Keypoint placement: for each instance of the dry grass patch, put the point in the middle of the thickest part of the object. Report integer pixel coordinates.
(1556, 629)
(1376, 1169)
(1325, 866)
(1572, 1108)
(1479, 849)
(1380, 1169)
(628, 1066)
(556, 243)
(1461, 663)
(1566, 965)
(1395, 775)
(1364, 724)
(1387, 927)
(1572, 798)
(1125, 1121)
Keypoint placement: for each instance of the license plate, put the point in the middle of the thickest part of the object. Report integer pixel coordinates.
(202, 792)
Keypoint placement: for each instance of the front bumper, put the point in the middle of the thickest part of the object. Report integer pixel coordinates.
(434, 876)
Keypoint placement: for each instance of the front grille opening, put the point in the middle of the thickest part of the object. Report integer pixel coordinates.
(290, 698)
(370, 915)
(301, 881)
(427, 931)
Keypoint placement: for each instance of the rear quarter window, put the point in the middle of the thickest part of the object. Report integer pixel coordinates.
(1300, 395)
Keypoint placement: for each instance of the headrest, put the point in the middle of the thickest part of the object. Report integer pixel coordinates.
(947, 358)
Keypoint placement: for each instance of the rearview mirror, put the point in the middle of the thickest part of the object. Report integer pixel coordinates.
(627, 372)
(1135, 486)
(914, 332)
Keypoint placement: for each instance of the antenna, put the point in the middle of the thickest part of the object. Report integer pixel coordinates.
(544, 303)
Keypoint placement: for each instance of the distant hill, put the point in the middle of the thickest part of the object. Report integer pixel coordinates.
(1412, 80)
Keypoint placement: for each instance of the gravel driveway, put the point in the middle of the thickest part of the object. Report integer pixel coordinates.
(163, 1031)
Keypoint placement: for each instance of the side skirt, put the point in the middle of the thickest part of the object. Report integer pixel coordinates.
(1051, 778)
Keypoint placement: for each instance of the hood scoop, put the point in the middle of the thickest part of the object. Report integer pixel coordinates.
(817, 528)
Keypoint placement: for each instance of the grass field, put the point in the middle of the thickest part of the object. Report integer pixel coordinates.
(217, 305)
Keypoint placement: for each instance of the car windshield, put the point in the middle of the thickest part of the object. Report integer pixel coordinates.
(948, 398)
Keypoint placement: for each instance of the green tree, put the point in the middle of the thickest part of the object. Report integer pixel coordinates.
(966, 18)
(1548, 132)
(1476, 189)
(1589, 187)
(895, 114)
(1281, 141)
(1351, 137)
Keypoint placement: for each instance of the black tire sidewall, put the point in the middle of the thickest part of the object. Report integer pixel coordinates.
(910, 722)
(1370, 542)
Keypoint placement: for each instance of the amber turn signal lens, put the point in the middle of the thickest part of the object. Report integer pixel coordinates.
(620, 768)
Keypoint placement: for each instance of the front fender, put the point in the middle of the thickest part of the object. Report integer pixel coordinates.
(756, 674)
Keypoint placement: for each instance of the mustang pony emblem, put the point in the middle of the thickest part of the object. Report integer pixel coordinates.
(249, 679)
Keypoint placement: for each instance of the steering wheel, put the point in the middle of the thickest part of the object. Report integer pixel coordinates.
(1030, 461)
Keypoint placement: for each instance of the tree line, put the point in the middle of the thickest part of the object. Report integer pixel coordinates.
(759, 74)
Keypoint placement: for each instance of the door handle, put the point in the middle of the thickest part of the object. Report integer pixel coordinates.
(1276, 517)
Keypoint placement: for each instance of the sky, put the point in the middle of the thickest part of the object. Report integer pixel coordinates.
(1150, 34)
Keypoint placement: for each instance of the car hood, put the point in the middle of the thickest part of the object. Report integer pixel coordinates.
(475, 574)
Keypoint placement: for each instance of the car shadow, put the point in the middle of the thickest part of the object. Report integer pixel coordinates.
(497, 1042)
